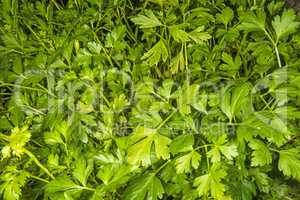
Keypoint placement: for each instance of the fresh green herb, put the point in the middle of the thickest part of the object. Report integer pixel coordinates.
(155, 99)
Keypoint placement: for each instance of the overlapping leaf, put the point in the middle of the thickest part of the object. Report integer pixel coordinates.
(149, 20)
(142, 139)
(147, 186)
(211, 183)
(158, 52)
(285, 24)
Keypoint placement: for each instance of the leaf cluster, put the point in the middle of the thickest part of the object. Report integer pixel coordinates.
(158, 99)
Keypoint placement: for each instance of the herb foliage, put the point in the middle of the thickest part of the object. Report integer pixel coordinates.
(153, 99)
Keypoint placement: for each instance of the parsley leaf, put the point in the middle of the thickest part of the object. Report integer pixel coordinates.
(147, 186)
(141, 143)
(261, 155)
(147, 21)
(289, 162)
(285, 25)
(211, 183)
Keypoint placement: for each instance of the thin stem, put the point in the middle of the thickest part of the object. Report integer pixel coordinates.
(105, 99)
(56, 5)
(275, 47)
(203, 146)
(278, 56)
(269, 37)
(166, 120)
(87, 188)
(40, 179)
(207, 160)
(161, 167)
(37, 37)
(160, 97)
(267, 104)
(35, 110)
(104, 50)
(38, 163)
(186, 63)
(27, 88)
(275, 150)
(5, 93)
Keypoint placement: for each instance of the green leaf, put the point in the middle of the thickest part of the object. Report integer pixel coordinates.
(63, 129)
(139, 153)
(261, 155)
(178, 34)
(148, 21)
(211, 183)
(185, 162)
(229, 151)
(186, 96)
(161, 146)
(266, 125)
(11, 182)
(201, 102)
(214, 154)
(261, 179)
(286, 24)
(141, 143)
(231, 65)
(226, 16)
(5, 124)
(221, 146)
(233, 98)
(61, 184)
(120, 103)
(166, 89)
(252, 22)
(289, 162)
(16, 141)
(53, 137)
(147, 186)
(95, 47)
(67, 53)
(177, 63)
(158, 52)
(82, 170)
(199, 36)
(182, 143)
(114, 175)
(161, 3)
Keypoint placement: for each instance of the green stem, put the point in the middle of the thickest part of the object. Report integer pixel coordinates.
(87, 188)
(160, 97)
(186, 63)
(275, 150)
(275, 47)
(203, 146)
(278, 56)
(38, 163)
(56, 5)
(105, 99)
(166, 120)
(207, 160)
(40, 179)
(35, 110)
(267, 104)
(161, 167)
(37, 37)
(4, 93)
(108, 57)
(27, 88)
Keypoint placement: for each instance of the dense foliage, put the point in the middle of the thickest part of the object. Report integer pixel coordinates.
(157, 99)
